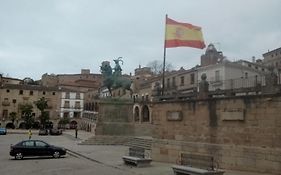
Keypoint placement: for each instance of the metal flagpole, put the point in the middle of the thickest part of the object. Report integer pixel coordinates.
(164, 60)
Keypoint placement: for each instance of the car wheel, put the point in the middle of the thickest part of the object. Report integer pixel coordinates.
(56, 154)
(18, 156)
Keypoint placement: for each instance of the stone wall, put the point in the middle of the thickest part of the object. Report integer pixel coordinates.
(116, 118)
(243, 133)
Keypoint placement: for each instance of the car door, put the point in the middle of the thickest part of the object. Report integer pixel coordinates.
(28, 148)
(42, 148)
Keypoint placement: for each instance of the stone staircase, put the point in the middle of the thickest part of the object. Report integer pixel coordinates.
(142, 142)
(106, 140)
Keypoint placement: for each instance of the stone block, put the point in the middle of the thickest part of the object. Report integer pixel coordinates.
(233, 114)
(164, 151)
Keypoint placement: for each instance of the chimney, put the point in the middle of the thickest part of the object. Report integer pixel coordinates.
(253, 59)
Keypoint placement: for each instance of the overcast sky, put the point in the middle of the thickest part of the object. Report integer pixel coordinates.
(65, 36)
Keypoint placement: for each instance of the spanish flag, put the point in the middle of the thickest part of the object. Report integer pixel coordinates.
(183, 35)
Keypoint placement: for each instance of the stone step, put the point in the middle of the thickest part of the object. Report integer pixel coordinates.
(106, 140)
(140, 142)
(119, 140)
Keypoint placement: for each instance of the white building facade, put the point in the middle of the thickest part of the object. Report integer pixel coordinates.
(231, 75)
(72, 104)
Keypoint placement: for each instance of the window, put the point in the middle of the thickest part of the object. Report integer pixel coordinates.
(44, 93)
(14, 101)
(5, 113)
(28, 144)
(192, 78)
(246, 74)
(66, 104)
(77, 104)
(30, 92)
(8, 90)
(77, 95)
(168, 82)
(217, 75)
(54, 93)
(67, 95)
(182, 80)
(21, 92)
(40, 144)
(174, 82)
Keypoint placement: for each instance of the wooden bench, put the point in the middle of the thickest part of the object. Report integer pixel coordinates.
(137, 156)
(196, 164)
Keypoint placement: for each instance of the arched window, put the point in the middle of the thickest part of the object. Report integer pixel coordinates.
(145, 114)
(137, 114)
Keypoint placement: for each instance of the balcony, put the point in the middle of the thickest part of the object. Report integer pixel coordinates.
(77, 107)
(6, 103)
(216, 83)
(66, 106)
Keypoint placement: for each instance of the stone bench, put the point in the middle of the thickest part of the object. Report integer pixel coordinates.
(196, 164)
(137, 156)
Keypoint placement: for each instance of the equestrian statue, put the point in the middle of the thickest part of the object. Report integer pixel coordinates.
(114, 80)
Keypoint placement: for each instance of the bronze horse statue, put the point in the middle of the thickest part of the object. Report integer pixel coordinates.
(114, 80)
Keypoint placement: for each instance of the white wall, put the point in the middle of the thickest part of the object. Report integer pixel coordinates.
(72, 101)
(231, 76)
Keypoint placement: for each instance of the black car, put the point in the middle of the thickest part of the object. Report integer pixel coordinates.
(55, 131)
(30, 148)
(43, 132)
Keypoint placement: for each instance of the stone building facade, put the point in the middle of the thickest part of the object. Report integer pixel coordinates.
(9, 80)
(14, 95)
(242, 133)
(272, 58)
(211, 56)
(77, 82)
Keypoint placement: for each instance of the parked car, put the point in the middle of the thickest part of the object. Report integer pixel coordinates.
(3, 131)
(55, 131)
(31, 148)
(43, 132)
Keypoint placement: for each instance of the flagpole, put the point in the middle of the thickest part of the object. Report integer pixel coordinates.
(164, 59)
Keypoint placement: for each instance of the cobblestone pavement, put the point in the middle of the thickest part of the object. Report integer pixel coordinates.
(112, 155)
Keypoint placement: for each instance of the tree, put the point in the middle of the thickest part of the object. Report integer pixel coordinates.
(157, 66)
(26, 110)
(13, 116)
(42, 104)
(64, 121)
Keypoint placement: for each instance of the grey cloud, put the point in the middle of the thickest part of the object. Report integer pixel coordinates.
(63, 36)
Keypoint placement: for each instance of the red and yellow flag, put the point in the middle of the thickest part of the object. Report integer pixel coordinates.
(183, 35)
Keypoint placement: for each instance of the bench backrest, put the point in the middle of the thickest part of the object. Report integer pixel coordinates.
(137, 152)
(197, 160)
